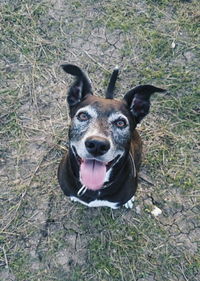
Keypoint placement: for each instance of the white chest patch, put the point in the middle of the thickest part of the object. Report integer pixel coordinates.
(96, 203)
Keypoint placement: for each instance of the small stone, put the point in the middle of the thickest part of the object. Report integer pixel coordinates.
(138, 209)
(173, 45)
(156, 211)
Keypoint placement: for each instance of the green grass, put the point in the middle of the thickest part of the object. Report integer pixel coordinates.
(43, 236)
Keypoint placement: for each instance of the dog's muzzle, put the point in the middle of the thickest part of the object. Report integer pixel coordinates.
(92, 172)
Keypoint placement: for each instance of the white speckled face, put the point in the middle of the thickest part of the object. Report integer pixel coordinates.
(89, 121)
(120, 128)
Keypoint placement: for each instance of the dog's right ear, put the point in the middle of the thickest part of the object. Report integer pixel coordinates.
(81, 87)
(138, 100)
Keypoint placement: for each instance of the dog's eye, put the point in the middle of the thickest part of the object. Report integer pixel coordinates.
(83, 116)
(120, 123)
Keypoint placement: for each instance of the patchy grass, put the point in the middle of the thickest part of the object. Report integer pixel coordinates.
(43, 235)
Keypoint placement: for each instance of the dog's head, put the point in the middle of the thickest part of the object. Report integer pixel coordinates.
(101, 128)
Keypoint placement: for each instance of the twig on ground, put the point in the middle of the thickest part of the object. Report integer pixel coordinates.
(5, 257)
(96, 62)
(143, 177)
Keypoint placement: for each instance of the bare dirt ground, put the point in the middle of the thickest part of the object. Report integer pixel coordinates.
(43, 235)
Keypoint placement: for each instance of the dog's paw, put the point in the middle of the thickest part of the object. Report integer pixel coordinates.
(73, 199)
(129, 204)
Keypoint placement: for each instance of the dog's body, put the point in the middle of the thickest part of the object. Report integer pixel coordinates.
(102, 164)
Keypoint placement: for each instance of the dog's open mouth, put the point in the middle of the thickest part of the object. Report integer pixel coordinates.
(93, 172)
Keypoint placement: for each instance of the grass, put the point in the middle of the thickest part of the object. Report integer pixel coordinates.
(43, 236)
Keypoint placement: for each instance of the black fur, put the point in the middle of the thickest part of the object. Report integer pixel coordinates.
(138, 100)
(81, 86)
(111, 85)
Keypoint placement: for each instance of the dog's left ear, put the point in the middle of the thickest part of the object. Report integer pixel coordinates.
(138, 100)
(80, 88)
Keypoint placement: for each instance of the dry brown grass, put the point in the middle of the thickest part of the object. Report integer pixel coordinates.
(43, 235)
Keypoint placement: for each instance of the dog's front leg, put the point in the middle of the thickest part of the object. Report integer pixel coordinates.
(129, 204)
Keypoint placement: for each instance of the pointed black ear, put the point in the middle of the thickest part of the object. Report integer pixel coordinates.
(138, 100)
(80, 88)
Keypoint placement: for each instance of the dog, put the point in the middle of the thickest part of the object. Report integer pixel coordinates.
(102, 164)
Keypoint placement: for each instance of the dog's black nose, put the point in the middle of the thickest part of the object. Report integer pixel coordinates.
(97, 146)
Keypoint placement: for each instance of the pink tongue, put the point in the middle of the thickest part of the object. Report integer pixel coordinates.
(92, 174)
